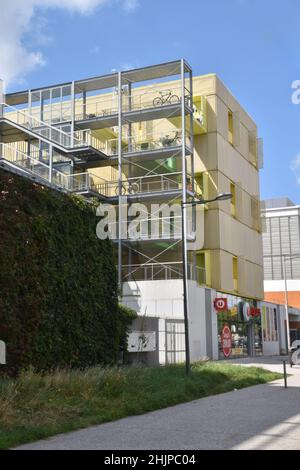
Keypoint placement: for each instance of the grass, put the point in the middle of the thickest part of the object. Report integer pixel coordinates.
(36, 406)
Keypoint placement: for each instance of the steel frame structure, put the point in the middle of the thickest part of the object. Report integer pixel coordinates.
(47, 114)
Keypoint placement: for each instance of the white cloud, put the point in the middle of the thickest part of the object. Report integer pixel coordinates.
(19, 17)
(295, 167)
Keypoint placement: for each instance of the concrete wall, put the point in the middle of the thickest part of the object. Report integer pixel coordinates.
(164, 300)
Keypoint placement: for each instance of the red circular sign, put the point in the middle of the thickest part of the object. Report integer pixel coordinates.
(220, 304)
(226, 341)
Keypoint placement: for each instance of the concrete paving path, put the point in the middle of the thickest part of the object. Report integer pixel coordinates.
(260, 417)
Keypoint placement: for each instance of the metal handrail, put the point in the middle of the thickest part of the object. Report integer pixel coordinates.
(170, 270)
(75, 182)
(136, 100)
(150, 141)
(143, 184)
(31, 164)
(38, 126)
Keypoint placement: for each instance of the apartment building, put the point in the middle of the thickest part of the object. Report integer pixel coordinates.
(157, 136)
(281, 249)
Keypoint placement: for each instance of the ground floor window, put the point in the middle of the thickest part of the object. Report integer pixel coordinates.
(269, 324)
(239, 329)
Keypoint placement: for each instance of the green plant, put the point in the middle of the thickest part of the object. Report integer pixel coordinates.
(59, 292)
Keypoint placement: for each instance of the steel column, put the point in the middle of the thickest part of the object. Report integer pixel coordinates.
(184, 220)
(120, 178)
(72, 113)
(286, 306)
(50, 163)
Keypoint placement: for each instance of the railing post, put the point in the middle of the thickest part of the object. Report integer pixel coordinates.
(120, 201)
(72, 113)
(50, 163)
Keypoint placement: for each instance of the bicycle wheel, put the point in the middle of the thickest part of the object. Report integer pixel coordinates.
(157, 101)
(133, 188)
(123, 190)
(174, 99)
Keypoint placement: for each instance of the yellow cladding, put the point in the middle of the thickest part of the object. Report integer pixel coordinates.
(225, 160)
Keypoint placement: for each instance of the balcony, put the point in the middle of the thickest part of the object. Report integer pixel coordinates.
(162, 271)
(146, 104)
(144, 186)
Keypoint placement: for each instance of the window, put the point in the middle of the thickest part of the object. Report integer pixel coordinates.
(269, 324)
(253, 147)
(255, 214)
(201, 266)
(235, 273)
(201, 184)
(230, 127)
(233, 200)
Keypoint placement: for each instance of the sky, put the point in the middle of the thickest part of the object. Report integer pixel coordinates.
(253, 45)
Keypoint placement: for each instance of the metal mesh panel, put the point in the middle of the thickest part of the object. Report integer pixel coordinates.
(252, 147)
(236, 129)
(239, 201)
(260, 153)
(255, 213)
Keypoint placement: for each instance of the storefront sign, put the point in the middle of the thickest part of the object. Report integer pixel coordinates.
(226, 341)
(254, 312)
(233, 311)
(220, 304)
(246, 311)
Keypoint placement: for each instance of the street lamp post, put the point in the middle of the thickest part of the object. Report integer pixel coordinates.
(219, 197)
(286, 303)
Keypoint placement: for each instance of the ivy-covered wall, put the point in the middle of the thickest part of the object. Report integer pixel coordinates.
(58, 283)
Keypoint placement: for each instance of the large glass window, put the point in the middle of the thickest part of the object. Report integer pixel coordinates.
(269, 324)
(245, 328)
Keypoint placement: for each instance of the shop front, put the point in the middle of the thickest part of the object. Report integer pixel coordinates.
(239, 327)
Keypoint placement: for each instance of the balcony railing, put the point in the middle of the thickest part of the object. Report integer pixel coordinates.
(142, 185)
(151, 97)
(33, 166)
(77, 182)
(153, 141)
(162, 271)
(84, 183)
(27, 120)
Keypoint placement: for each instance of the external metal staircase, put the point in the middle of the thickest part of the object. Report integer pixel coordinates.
(79, 143)
(17, 125)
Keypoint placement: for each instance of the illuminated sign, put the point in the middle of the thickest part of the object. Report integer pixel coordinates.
(220, 304)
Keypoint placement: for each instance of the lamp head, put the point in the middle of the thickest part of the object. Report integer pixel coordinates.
(223, 196)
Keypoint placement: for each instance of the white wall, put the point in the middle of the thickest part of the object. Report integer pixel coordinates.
(197, 321)
(164, 299)
(273, 348)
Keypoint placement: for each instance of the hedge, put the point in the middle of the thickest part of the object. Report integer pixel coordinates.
(59, 294)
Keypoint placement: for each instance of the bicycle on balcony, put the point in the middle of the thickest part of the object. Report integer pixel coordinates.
(130, 188)
(165, 98)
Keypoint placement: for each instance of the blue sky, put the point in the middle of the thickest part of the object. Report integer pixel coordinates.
(251, 44)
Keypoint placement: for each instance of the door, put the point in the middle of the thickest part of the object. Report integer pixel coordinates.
(175, 342)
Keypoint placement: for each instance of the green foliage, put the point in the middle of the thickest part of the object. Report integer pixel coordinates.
(59, 293)
(36, 406)
(126, 316)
